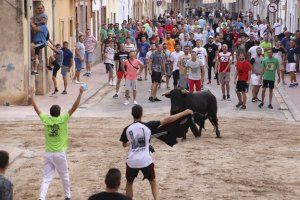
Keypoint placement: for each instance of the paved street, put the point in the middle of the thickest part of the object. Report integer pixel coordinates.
(106, 106)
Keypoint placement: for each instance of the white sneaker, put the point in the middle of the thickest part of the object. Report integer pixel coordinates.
(77, 82)
(126, 102)
(114, 83)
(110, 83)
(135, 102)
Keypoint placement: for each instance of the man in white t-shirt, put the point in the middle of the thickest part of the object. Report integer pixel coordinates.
(137, 137)
(128, 46)
(199, 34)
(262, 28)
(175, 56)
(195, 72)
(277, 29)
(201, 52)
(252, 52)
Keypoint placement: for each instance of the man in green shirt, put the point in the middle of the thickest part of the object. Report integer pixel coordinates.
(56, 144)
(270, 67)
(266, 45)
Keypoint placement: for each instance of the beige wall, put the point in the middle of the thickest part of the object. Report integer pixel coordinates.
(12, 83)
(65, 22)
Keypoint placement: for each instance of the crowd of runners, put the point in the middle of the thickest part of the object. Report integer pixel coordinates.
(180, 52)
(192, 52)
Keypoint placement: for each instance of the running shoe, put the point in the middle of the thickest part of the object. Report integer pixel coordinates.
(156, 99)
(270, 106)
(261, 105)
(243, 107)
(64, 92)
(239, 104)
(135, 102)
(126, 102)
(115, 96)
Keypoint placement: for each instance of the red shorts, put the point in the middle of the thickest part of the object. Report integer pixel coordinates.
(120, 74)
(193, 83)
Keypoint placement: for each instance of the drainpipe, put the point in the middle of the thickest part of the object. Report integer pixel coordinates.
(53, 20)
(28, 75)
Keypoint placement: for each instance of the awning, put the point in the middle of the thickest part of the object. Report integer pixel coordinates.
(216, 1)
(209, 1)
(228, 1)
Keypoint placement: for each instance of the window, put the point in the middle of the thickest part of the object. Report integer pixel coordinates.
(71, 28)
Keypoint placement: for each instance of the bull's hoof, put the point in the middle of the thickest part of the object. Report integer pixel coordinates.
(183, 139)
(218, 136)
(197, 136)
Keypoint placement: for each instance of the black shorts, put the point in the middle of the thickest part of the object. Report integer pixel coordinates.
(156, 77)
(268, 84)
(148, 173)
(55, 68)
(37, 49)
(242, 86)
(175, 77)
(109, 66)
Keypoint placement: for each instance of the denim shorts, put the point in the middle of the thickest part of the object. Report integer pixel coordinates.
(78, 64)
(88, 57)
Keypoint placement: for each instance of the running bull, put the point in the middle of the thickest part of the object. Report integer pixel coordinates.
(203, 104)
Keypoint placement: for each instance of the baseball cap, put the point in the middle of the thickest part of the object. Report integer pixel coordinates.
(210, 37)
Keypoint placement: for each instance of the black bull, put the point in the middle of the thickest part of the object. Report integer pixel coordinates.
(203, 104)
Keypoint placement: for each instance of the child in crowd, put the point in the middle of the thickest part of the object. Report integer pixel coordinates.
(6, 187)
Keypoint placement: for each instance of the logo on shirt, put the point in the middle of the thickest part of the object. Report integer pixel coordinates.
(54, 130)
(138, 141)
(271, 66)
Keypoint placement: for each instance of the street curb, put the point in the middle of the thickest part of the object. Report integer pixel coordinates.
(92, 94)
(287, 104)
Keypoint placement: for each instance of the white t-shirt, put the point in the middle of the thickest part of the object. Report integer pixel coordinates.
(262, 28)
(148, 54)
(138, 135)
(129, 47)
(252, 51)
(277, 27)
(198, 36)
(175, 56)
(81, 49)
(194, 72)
(202, 53)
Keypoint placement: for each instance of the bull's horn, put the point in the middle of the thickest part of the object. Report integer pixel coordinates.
(184, 91)
(165, 94)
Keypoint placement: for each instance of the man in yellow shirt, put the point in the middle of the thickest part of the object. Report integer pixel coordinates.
(170, 42)
(56, 144)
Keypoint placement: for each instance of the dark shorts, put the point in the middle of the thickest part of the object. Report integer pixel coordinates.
(132, 173)
(109, 66)
(37, 49)
(268, 84)
(55, 68)
(242, 86)
(156, 77)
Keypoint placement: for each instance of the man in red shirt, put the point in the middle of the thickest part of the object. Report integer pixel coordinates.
(223, 68)
(241, 79)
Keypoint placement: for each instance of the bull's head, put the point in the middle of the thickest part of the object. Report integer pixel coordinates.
(178, 102)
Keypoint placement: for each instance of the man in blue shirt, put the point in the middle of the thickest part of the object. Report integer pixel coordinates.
(142, 49)
(291, 63)
(39, 40)
(66, 65)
